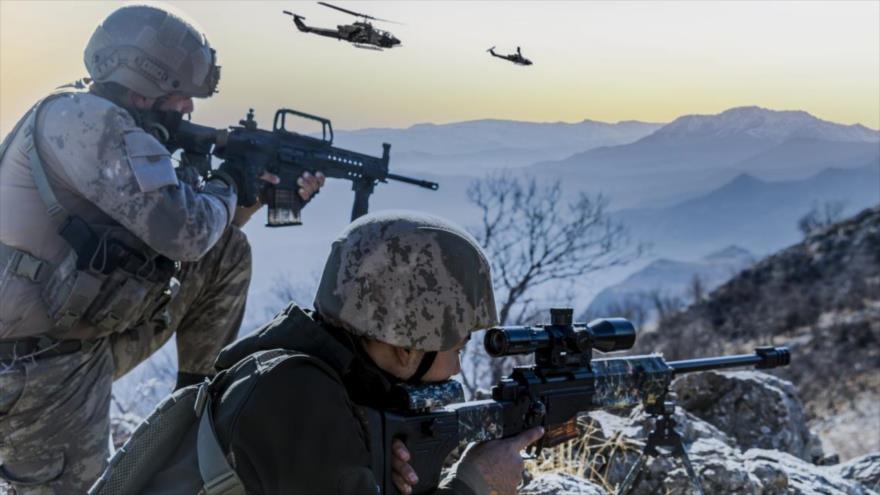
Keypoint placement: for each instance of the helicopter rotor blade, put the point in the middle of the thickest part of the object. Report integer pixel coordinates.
(356, 14)
(388, 21)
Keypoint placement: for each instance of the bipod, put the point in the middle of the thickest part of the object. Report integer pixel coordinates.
(664, 434)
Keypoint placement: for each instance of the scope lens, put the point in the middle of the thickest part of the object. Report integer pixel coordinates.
(507, 341)
(612, 334)
(495, 342)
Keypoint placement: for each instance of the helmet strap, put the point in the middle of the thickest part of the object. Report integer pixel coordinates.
(425, 365)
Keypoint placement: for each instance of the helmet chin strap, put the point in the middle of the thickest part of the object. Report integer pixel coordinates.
(425, 365)
(162, 124)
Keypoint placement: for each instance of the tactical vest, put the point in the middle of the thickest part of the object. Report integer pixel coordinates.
(109, 278)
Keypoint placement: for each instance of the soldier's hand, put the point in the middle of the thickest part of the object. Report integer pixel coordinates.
(309, 185)
(243, 214)
(402, 473)
(499, 461)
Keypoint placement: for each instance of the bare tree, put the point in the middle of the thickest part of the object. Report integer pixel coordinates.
(535, 238)
(664, 304)
(696, 290)
(821, 216)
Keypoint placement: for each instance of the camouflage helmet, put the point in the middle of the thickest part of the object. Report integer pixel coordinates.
(152, 52)
(407, 279)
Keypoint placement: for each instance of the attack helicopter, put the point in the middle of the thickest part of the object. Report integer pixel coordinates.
(361, 34)
(516, 58)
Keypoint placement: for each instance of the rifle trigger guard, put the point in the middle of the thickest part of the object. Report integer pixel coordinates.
(536, 416)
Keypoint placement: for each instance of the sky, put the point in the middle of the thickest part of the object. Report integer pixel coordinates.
(608, 61)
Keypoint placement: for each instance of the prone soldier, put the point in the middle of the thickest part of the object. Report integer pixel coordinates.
(399, 296)
(105, 253)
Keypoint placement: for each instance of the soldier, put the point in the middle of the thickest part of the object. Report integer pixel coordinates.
(105, 253)
(398, 299)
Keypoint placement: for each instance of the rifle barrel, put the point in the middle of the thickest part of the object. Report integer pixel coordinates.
(763, 358)
(416, 182)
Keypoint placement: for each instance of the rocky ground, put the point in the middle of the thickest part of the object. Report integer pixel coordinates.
(821, 298)
(746, 433)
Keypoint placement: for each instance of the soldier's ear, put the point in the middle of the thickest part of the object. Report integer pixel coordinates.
(407, 358)
(139, 101)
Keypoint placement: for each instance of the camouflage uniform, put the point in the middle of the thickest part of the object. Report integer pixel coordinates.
(54, 423)
(84, 312)
(103, 167)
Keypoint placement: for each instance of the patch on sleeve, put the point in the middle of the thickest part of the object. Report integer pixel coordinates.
(149, 160)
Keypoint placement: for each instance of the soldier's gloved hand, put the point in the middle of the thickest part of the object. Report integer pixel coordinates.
(243, 214)
(402, 473)
(245, 178)
(497, 462)
(310, 185)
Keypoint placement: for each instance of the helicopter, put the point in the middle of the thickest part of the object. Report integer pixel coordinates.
(361, 34)
(516, 58)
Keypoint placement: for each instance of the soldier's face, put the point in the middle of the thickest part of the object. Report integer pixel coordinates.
(446, 364)
(170, 103)
(177, 103)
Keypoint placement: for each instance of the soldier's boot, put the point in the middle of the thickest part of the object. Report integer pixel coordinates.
(206, 313)
(54, 424)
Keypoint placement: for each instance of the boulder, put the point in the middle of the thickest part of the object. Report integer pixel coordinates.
(755, 409)
(864, 469)
(611, 444)
(782, 474)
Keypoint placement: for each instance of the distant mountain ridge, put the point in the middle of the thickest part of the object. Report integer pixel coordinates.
(699, 152)
(761, 214)
(765, 124)
(491, 134)
(477, 146)
(670, 279)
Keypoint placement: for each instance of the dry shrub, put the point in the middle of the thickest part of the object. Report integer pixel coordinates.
(591, 455)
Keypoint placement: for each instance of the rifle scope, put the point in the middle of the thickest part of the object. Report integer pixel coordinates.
(603, 334)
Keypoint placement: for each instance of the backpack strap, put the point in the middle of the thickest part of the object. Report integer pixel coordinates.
(217, 474)
(57, 212)
(7, 141)
(21, 262)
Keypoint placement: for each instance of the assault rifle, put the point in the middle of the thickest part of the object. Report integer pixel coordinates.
(287, 154)
(432, 420)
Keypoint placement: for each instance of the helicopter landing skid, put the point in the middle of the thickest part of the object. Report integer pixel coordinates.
(664, 434)
(367, 47)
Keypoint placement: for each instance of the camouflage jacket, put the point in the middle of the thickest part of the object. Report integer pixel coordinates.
(105, 169)
(295, 426)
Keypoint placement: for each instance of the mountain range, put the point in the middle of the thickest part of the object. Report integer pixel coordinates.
(477, 146)
(671, 279)
(696, 153)
(759, 215)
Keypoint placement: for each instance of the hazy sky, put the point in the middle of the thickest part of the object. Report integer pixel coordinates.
(650, 61)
